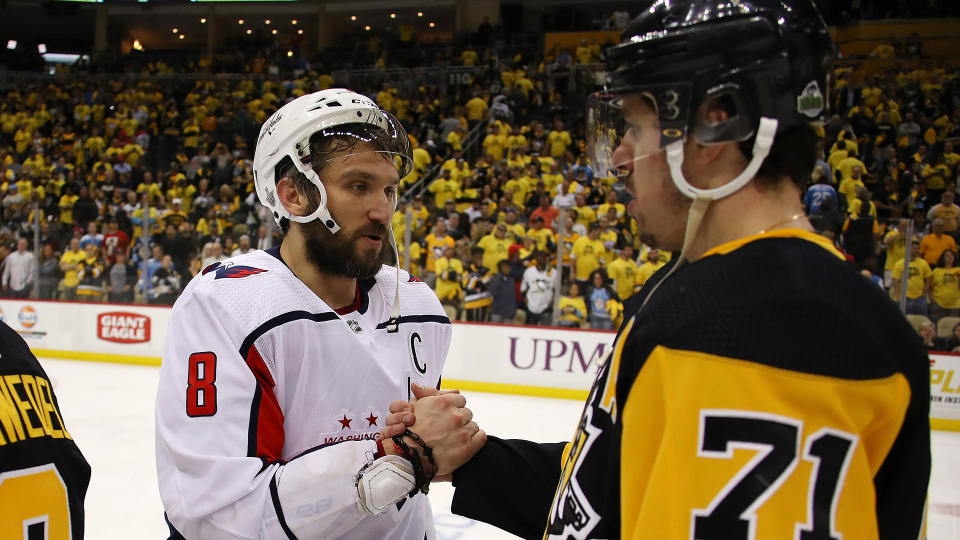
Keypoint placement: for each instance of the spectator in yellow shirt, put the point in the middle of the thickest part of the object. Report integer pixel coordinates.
(944, 287)
(436, 243)
(495, 246)
(476, 109)
(918, 282)
(572, 308)
(650, 266)
(444, 188)
(588, 253)
(545, 239)
(934, 244)
(70, 262)
(624, 272)
(558, 140)
(449, 272)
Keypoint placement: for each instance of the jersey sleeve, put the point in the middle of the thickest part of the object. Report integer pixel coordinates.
(219, 437)
(509, 484)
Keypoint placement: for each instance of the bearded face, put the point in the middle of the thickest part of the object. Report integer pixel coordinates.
(345, 253)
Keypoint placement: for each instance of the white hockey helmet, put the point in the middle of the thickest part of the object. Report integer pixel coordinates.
(285, 140)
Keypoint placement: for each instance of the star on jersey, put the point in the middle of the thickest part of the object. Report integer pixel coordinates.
(345, 422)
(371, 420)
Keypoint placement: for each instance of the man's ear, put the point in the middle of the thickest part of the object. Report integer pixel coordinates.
(292, 199)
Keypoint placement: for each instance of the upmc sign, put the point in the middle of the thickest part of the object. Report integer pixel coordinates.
(529, 356)
(123, 327)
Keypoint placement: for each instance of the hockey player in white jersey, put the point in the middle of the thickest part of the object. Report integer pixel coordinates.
(279, 365)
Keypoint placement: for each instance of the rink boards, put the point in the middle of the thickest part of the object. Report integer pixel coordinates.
(534, 361)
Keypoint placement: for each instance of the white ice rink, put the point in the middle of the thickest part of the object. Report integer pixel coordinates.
(108, 409)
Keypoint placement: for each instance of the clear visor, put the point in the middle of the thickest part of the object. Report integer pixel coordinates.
(620, 130)
(402, 163)
(387, 138)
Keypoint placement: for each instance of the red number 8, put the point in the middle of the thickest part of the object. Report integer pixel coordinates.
(201, 392)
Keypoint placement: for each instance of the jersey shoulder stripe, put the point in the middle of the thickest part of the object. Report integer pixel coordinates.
(281, 320)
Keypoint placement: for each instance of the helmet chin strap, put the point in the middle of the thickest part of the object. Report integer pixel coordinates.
(393, 322)
(703, 197)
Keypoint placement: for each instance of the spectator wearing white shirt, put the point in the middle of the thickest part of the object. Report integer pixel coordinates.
(19, 270)
(537, 286)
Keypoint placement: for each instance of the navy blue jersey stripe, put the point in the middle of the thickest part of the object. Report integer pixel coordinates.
(254, 422)
(442, 319)
(279, 509)
(281, 320)
(174, 533)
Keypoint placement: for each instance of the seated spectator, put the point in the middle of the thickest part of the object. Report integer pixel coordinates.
(952, 343)
(928, 334)
(573, 309)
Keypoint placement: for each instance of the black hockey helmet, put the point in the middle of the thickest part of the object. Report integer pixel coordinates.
(758, 58)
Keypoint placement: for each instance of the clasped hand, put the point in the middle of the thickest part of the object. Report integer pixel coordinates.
(444, 423)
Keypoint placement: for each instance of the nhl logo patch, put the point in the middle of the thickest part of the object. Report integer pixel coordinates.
(810, 102)
(355, 326)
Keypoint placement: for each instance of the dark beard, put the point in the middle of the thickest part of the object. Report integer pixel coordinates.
(337, 253)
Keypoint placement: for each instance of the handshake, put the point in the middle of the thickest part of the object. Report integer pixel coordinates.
(442, 433)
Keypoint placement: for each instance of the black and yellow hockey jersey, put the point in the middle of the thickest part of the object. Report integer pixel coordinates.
(764, 391)
(43, 475)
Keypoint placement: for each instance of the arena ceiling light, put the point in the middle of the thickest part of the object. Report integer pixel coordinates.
(275, 31)
(42, 48)
(419, 14)
(267, 22)
(175, 30)
(12, 44)
(293, 22)
(353, 17)
(393, 15)
(203, 20)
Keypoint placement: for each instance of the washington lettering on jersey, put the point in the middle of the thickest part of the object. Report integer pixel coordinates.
(278, 400)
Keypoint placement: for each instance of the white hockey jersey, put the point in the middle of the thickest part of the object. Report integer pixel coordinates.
(270, 402)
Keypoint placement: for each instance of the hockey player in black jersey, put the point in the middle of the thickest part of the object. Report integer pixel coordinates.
(43, 475)
(759, 386)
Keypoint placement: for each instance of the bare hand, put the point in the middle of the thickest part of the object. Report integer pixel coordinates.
(401, 412)
(443, 422)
